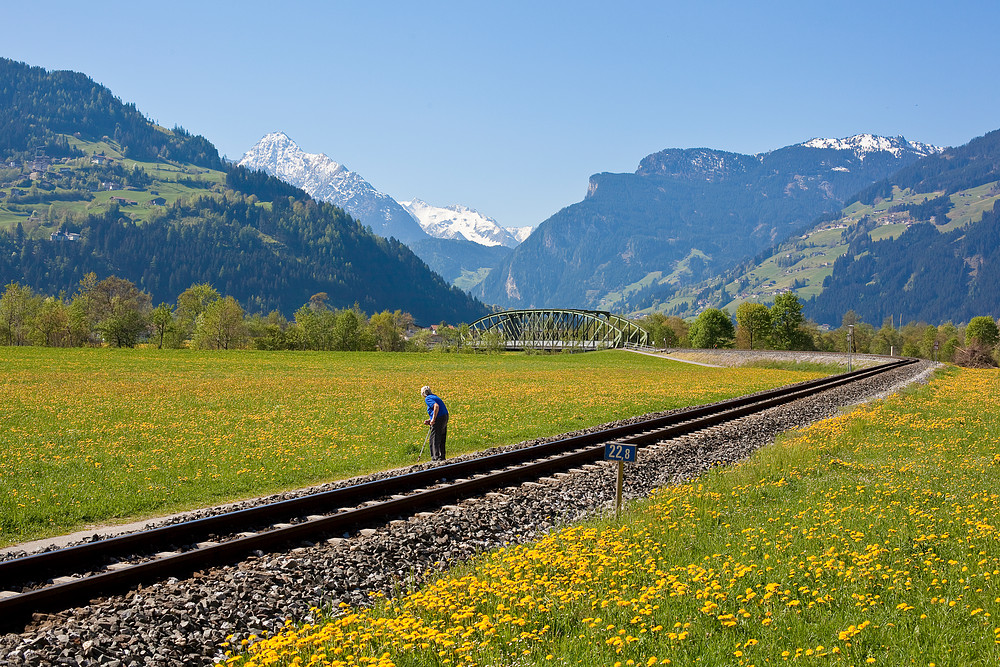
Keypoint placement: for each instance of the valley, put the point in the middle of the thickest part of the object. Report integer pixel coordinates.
(803, 533)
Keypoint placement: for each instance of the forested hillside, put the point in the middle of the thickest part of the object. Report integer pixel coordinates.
(943, 261)
(962, 168)
(684, 216)
(896, 250)
(38, 108)
(268, 258)
(923, 275)
(460, 262)
(160, 209)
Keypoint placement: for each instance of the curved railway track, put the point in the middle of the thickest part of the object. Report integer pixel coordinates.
(57, 580)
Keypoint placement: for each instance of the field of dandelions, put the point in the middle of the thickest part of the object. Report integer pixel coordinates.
(867, 539)
(98, 436)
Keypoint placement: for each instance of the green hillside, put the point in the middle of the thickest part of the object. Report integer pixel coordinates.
(949, 194)
(802, 263)
(46, 193)
(683, 217)
(158, 207)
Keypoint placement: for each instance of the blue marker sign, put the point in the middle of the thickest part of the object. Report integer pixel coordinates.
(616, 451)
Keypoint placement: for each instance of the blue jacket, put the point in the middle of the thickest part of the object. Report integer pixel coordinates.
(431, 401)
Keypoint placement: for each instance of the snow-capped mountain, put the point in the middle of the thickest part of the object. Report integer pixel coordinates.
(685, 215)
(460, 222)
(864, 144)
(520, 233)
(330, 181)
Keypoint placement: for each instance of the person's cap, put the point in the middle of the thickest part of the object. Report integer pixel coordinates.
(425, 390)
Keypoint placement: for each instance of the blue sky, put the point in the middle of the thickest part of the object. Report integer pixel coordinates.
(510, 107)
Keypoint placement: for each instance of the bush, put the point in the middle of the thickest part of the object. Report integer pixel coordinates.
(974, 356)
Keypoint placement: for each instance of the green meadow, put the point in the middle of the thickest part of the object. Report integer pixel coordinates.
(866, 539)
(102, 436)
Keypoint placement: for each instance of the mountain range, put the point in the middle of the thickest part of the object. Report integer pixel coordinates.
(920, 245)
(326, 180)
(683, 216)
(460, 222)
(432, 232)
(882, 226)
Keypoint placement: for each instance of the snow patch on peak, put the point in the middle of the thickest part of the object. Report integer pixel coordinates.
(278, 155)
(459, 222)
(864, 144)
(327, 180)
(520, 233)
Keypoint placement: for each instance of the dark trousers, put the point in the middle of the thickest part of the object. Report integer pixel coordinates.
(439, 433)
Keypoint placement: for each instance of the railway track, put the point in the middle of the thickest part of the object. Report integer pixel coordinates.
(57, 580)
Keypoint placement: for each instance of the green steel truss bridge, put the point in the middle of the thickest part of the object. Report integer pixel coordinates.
(555, 329)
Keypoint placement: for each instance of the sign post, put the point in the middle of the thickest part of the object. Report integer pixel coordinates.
(623, 453)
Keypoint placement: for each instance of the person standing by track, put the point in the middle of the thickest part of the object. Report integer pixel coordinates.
(438, 422)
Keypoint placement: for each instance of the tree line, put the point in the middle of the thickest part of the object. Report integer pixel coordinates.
(115, 312)
(40, 105)
(782, 326)
(267, 257)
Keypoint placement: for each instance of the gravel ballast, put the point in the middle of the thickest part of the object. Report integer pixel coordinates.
(184, 622)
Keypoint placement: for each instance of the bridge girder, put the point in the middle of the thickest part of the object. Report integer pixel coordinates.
(556, 328)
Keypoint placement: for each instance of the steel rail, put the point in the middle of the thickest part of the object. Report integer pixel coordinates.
(508, 467)
(151, 541)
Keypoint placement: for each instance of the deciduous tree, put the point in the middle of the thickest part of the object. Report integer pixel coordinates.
(388, 336)
(317, 326)
(713, 328)
(754, 319)
(52, 324)
(163, 322)
(658, 327)
(119, 311)
(17, 308)
(221, 326)
(192, 302)
(982, 331)
(786, 323)
(349, 330)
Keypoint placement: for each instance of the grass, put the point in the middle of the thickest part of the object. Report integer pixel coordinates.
(883, 232)
(166, 183)
(870, 538)
(766, 279)
(95, 436)
(970, 206)
(470, 279)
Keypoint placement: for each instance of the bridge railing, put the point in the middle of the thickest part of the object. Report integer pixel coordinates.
(554, 329)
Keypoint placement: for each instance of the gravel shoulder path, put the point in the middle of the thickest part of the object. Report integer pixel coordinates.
(731, 358)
